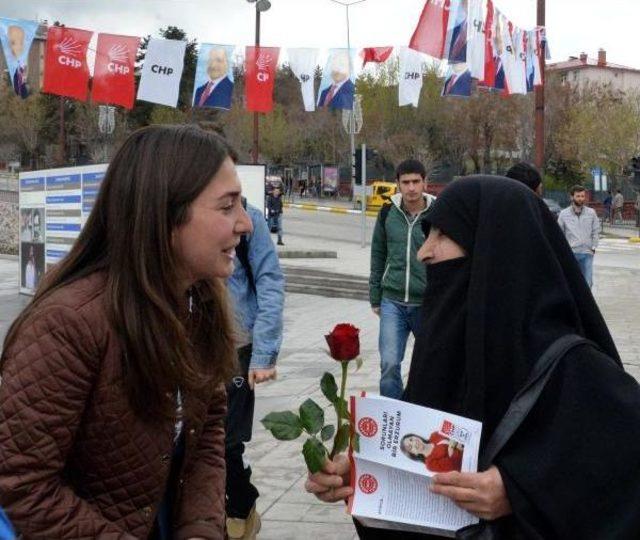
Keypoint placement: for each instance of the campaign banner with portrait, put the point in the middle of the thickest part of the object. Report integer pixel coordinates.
(16, 37)
(213, 85)
(458, 81)
(303, 64)
(161, 71)
(337, 86)
(66, 71)
(113, 76)
(260, 67)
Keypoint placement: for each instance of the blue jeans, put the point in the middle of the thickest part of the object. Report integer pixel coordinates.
(585, 261)
(275, 222)
(396, 321)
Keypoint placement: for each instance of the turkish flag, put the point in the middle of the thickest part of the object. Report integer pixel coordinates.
(66, 72)
(430, 35)
(375, 54)
(260, 66)
(113, 76)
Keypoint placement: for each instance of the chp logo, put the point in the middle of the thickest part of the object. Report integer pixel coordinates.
(367, 426)
(118, 59)
(262, 63)
(368, 484)
(69, 48)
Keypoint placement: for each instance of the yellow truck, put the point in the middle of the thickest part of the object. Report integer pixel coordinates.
(380, 193)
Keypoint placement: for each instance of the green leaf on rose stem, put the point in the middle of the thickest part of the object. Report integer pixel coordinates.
(355, 442)
(327, 432)
(284, 425)
(329, 387)
(342, 438)
(359, 362)
(314, 454)
(311, 416)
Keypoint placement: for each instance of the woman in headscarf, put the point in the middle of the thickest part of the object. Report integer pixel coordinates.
(502, 287)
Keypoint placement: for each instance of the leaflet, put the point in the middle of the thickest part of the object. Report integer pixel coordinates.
(400, 447)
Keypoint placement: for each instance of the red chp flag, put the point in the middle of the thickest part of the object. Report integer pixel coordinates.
(113, 77)
(375, 54)
(66, 72)
(260, 71)
(490, 66)
(430, 36)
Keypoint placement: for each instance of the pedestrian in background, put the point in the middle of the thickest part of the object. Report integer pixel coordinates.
(618, 205)
(527, 174)
(257, 292)
(274, 212)
(608, 201)
(397, 280)
(580, 225)
(112, 401)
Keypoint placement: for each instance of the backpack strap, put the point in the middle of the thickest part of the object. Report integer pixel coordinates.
(528, 395)
(384, 212)
(242, 252)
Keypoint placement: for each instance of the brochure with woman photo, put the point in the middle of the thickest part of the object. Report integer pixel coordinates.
(400, 447)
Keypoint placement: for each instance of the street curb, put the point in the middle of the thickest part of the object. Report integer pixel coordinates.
(635, 239)
(307, 254)
(332, 209)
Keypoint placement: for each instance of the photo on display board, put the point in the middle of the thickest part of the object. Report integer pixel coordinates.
(31, 264)
(32, 225)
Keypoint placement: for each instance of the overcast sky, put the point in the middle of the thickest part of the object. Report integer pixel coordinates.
(573, 25)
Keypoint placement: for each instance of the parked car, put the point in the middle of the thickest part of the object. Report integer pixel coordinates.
(553, 206)
(380, 193)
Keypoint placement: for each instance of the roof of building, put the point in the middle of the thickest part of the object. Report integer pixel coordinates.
(582, 63)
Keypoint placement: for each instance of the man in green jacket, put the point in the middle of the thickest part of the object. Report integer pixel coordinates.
(398, 279)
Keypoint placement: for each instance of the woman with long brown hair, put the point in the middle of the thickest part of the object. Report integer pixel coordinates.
(112, 401)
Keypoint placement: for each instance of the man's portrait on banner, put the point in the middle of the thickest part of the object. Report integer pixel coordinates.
(214, 77)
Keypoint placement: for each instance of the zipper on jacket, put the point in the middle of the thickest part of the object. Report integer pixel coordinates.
(384, 275)
(409, 240)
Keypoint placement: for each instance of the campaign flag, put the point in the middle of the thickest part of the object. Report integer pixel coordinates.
(303, 65)
(260, 72)
(476, 38)
(16, 37)
(514, 80)
(456, 41)
(490, 67)
(430, 35)
(161, 71)
(337, 86)
(113, 75)
(410, 77)
(66, 72)
(375, 54)
(214, 82)
(458, 81)
(520, 75)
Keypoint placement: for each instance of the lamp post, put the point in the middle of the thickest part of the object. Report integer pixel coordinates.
(261, 5)
(539, 92)
(352, 135)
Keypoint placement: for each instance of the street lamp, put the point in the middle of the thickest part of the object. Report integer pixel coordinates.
(261, 5)
(352, 120)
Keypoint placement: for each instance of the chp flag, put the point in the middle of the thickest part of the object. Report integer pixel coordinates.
(303, 65)
(410, 75)
(161, 71)
(260, 70)
(113, 77)
(66, 72)
(430, 35)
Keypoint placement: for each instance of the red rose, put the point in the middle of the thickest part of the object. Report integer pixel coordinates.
(344, 343)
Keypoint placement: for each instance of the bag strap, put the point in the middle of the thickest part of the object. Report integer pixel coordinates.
(528, 395)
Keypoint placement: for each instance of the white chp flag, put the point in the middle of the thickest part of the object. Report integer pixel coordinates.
(476, 38)
(303, 65)
(410, 77)
(161, 71)
(508, 57)
(520, 75)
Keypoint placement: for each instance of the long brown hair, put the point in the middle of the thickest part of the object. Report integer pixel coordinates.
(145, 195)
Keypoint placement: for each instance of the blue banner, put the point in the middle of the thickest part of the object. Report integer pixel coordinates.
(16, 37)
(63, 227)
(68, 199)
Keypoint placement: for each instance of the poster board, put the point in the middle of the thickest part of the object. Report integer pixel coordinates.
(54, 206)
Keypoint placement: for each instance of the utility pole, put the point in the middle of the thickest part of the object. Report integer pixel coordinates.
(539, 92)
(256, 120)
(61, 135)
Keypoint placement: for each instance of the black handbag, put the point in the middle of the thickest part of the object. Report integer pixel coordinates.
(518, 410)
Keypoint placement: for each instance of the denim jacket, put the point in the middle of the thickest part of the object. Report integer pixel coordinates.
(260, 314)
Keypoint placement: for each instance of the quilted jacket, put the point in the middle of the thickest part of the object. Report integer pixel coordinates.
(75, 462)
